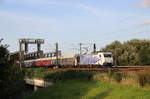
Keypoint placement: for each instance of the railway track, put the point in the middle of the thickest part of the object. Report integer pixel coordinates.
(114, 68)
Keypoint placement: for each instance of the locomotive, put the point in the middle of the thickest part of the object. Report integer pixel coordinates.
(99, 59)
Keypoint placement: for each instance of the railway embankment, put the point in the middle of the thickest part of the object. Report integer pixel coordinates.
(133, 78)
(76, 84)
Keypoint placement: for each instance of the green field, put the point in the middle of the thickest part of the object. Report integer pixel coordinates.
(77, 89)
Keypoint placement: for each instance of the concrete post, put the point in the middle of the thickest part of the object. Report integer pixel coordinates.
(38, 47)
(35, 88)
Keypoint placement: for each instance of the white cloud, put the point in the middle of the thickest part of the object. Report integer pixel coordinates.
(36, 2)
(87, 8)
(56, 3)
(147, 22)
(69, 3)
(11, 15)
(145, 3)
(81, 6)
(26, 1)
(30, 24)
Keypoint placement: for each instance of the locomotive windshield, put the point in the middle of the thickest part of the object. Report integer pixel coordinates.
(107, 55)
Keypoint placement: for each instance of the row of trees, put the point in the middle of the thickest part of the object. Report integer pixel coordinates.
(11, 77)
(132, 52)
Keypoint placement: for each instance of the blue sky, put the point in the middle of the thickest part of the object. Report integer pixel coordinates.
(70, 22)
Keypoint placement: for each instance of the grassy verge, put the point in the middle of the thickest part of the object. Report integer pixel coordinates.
(77, 89)
(90, 85)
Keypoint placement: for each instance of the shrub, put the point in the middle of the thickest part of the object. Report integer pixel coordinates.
(101, 77)
(144, 77)
(11, 77)
(118, 76)
(69, 75)
(35, 73)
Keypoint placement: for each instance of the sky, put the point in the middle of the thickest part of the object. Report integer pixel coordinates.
(70, 22)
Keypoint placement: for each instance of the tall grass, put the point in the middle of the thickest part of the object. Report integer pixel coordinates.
(144, 77)
(109, 76)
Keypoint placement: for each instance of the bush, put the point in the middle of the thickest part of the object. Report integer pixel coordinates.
(69, 75)
(118, 76)
(101, 77)
(11, 77)
(144, 77)
(36, 73)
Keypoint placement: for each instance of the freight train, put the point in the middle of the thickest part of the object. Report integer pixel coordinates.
(100, 59)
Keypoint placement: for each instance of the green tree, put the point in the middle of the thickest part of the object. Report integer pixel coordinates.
(11, 77)
(116, 49)
(132, 52)
(145, 56)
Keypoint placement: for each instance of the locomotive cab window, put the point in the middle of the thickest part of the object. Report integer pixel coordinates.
(99, 55)
(107, 55)
(78, 59)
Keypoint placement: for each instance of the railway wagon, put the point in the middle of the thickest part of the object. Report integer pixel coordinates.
(28, 63)
(67, 61)
(44, 62)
